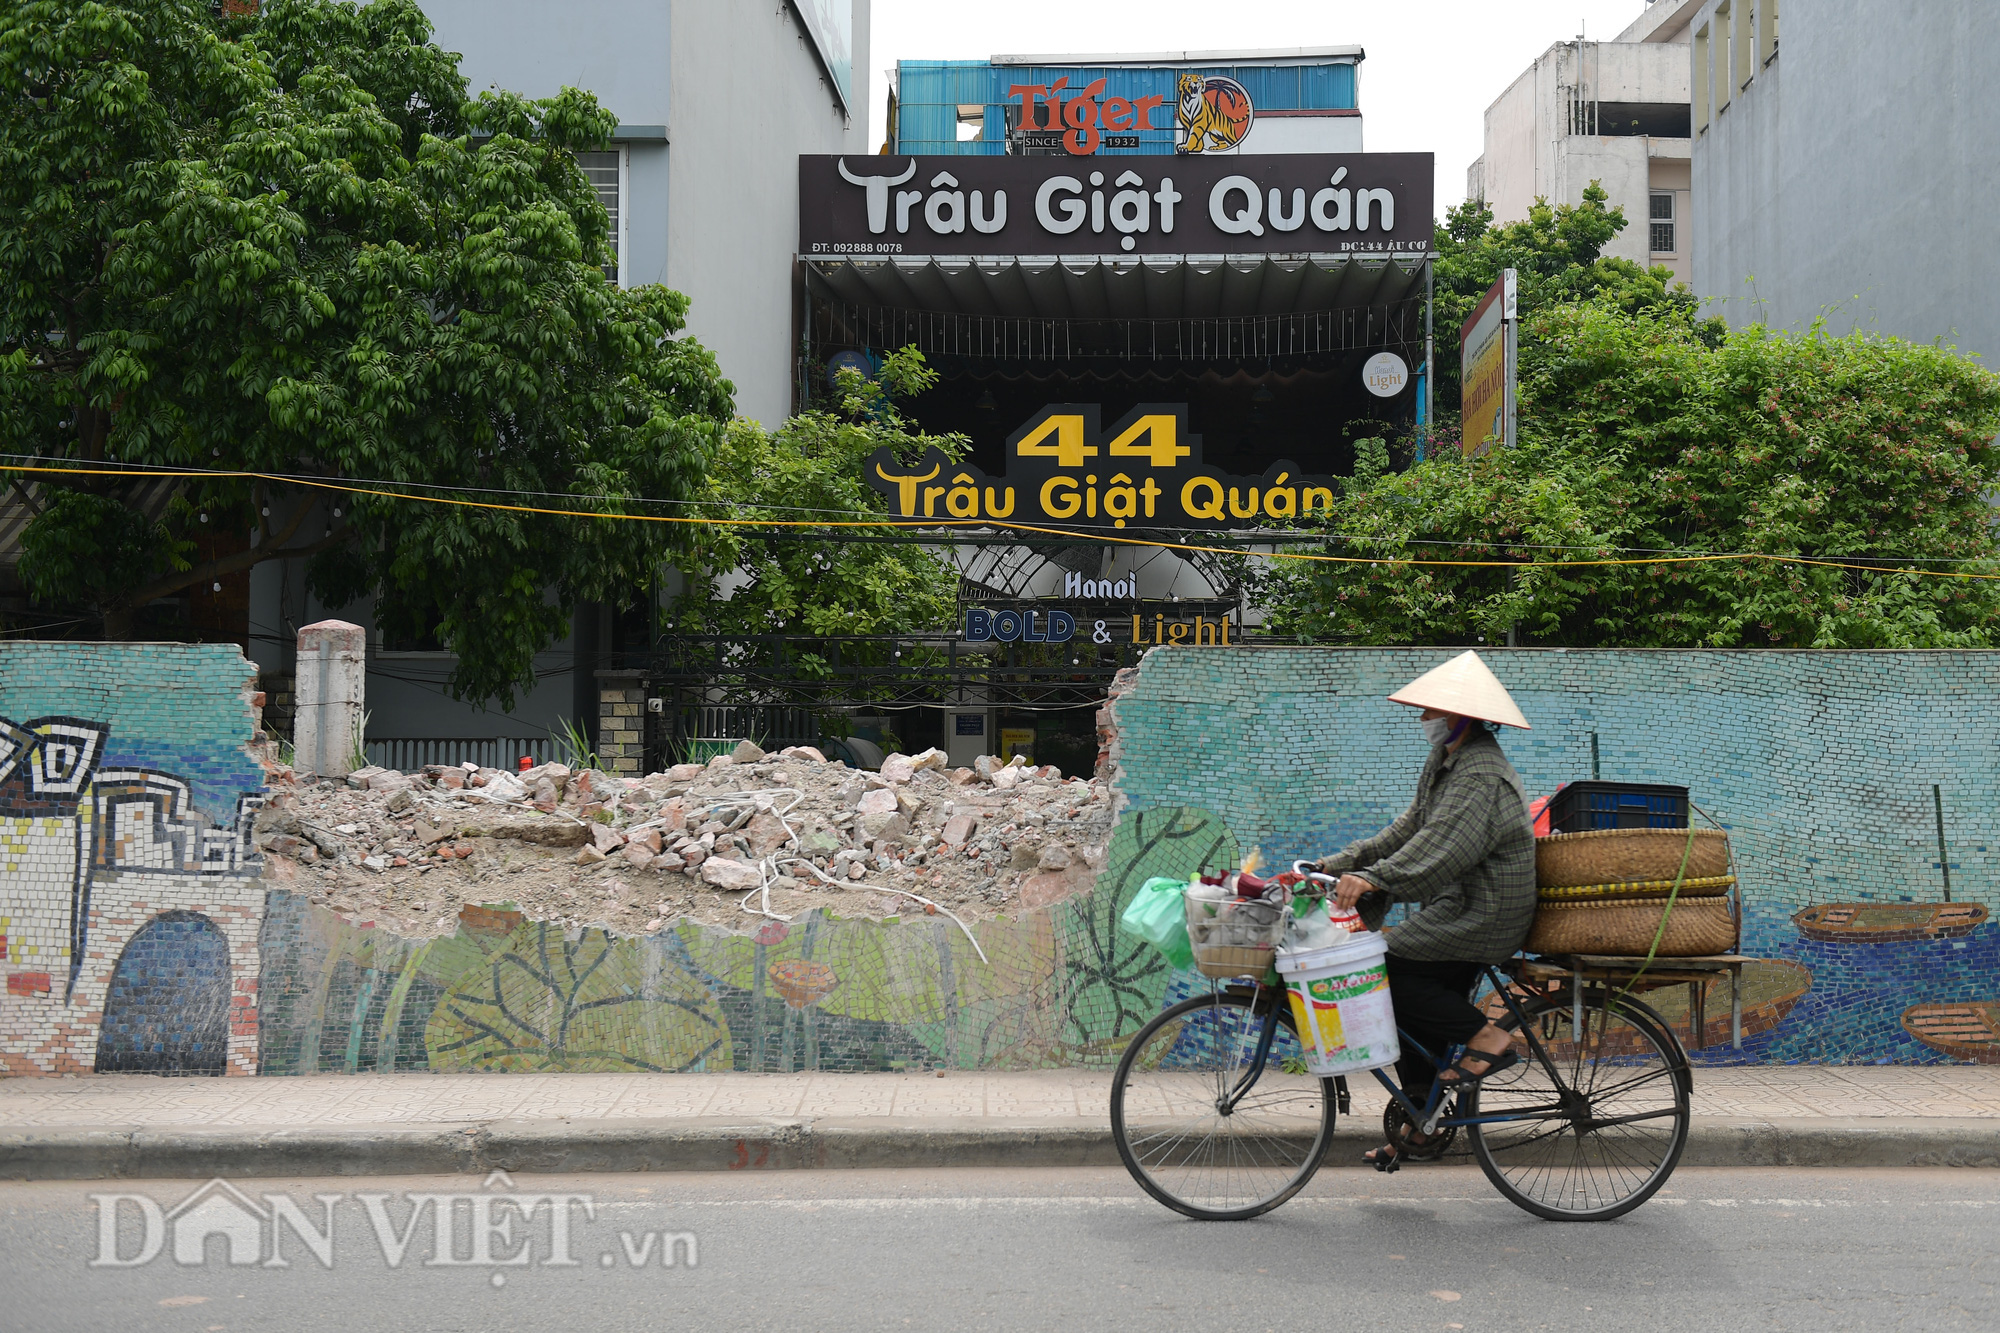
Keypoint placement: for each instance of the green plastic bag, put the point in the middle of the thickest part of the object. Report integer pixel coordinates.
(1158, 916)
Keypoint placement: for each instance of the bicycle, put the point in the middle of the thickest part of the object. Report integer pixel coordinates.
(1586, 1127)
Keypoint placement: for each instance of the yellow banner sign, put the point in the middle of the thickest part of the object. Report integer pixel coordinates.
(1144, 472)
(1486, 371)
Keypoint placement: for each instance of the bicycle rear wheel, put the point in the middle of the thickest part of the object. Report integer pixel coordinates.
(1169, 1120)
(1601, 1137)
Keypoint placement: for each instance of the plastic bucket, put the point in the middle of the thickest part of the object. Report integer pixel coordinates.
(1340, 999)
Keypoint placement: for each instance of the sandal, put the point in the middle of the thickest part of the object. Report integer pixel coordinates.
(1495, 1061)
(1389, 1157)
(1384, 1159)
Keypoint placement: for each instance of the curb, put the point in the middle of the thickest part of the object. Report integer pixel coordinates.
(565, 1147)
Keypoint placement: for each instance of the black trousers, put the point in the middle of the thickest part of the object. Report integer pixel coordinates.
(1431, 1005)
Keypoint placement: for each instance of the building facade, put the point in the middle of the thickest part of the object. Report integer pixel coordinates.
(715, 101)
(1614, 112)
(1167, 297)
(1847, 171)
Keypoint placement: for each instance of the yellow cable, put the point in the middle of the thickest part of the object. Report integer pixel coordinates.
(351, 489)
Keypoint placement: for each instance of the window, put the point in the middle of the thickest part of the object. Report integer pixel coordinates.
(1701, 79)
(422, 634)
(606, 171)
(1767, 30)
(1741, 46)
(1661, 218)
(1722, 60)
(1661, 120)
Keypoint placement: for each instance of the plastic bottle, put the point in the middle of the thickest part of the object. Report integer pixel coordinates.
(1321, 926)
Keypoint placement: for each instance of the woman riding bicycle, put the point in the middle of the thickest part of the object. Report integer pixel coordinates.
(1465, 852)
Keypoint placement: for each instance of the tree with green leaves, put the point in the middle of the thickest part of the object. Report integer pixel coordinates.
(779, 561)
(1557, 253)
(1812, 491)
(286, 243)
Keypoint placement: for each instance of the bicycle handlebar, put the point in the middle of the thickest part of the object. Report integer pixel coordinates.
(1311, 871)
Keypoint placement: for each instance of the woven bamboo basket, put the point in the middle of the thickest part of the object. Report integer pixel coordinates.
(1229, 960)
(1625, 929)
(1628, 855)
(1713, 887)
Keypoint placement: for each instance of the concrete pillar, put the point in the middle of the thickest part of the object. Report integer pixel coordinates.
(621, 722)
(332, 687)
(969, 733)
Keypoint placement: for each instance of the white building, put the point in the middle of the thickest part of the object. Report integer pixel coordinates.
(1848, 172)
(716, 100)
(1614, 112)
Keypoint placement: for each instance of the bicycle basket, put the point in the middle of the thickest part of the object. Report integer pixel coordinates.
(1234, 937)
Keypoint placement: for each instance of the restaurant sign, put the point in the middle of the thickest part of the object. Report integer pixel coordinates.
(1276, 203)
(1486, 357)
(1064, 471)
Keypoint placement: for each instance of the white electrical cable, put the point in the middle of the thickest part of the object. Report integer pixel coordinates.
(770, 867)
(872, 888)
(764, 798)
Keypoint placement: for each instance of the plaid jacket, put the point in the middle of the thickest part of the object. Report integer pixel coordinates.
(1465, 850)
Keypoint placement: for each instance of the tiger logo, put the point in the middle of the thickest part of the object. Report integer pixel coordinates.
(1211, 113)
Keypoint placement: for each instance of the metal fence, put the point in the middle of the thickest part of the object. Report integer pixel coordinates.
(690, 730)
(408, 756)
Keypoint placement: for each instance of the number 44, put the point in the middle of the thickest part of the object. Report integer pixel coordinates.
(1160, 432)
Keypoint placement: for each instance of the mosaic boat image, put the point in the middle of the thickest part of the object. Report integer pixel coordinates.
(1771, 987)
(1963, 1031)
(1884, 923)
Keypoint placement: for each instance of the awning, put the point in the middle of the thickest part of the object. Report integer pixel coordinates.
(1121, 287)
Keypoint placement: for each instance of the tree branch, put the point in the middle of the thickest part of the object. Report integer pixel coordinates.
(27, 498)
(271, 548)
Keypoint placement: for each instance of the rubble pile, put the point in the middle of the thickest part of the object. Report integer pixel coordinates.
(720, 842)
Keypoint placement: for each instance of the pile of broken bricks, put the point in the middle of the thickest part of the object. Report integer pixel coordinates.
(743, 835)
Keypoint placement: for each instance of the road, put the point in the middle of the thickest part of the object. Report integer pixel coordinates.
(1431, 1248)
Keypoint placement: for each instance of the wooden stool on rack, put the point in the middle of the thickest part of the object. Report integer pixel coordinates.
(1694, 973)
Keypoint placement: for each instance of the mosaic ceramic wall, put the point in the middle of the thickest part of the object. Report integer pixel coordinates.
(1057, 986)
(1828, 768)
(140, 938)
(129, 886)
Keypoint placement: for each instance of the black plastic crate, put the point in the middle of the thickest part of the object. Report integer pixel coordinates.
(1583, 806)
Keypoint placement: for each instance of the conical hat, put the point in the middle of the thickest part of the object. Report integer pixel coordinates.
(1463, 686)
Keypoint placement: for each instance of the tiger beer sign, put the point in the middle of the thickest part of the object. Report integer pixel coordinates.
(1065, 470)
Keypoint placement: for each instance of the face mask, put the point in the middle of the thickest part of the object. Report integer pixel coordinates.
(1437, 730)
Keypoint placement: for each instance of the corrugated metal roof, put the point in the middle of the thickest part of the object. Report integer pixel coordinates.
(1123, 287)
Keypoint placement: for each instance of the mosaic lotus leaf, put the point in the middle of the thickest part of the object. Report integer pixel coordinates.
(595, 1003)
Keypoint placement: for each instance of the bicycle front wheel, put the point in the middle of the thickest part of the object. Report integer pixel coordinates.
(1186, 1134)
(1600, 1137)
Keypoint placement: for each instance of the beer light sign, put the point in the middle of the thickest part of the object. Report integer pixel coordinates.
(985, 624)
(1065, 470)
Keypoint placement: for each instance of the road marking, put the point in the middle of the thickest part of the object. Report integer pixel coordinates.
(1100, 1201)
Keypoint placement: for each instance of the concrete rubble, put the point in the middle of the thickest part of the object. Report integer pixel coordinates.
(721, 842)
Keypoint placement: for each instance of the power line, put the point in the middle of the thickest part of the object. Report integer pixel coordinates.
(1072, 535)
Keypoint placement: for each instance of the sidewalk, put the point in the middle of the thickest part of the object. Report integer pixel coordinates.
(135, 1125)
